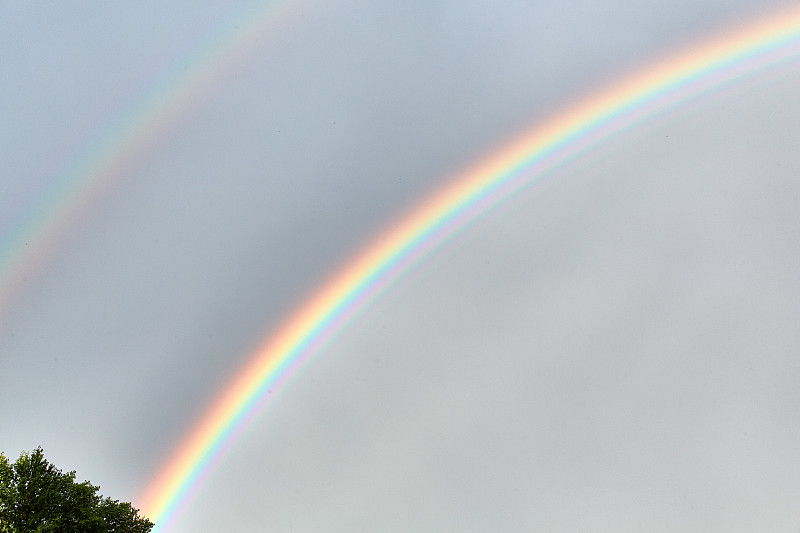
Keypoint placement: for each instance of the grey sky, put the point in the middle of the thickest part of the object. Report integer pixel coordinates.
(616, 351)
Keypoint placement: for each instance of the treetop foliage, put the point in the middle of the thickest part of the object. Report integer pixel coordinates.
(37, 497)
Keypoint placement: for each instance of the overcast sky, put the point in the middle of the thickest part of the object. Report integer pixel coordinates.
(618, 351)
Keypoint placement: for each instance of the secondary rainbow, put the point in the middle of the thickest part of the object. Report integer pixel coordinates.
(770, 42)
(205, 68)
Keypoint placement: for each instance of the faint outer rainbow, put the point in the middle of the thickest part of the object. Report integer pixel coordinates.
(767, 43)
(210, 63)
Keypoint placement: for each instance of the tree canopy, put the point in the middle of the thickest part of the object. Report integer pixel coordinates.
(37, 497)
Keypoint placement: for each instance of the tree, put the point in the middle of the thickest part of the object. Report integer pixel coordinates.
(37, 497)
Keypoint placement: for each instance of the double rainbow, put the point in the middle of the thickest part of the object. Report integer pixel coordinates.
(652, 90)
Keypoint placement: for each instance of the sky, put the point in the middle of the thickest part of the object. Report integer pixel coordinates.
(613, 349)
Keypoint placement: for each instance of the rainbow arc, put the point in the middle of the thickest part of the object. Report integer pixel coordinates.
(525, 160)
(640, 96)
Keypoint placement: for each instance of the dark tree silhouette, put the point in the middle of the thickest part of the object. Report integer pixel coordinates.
(37, 497)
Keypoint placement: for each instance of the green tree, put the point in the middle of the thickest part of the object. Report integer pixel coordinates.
(37, 497)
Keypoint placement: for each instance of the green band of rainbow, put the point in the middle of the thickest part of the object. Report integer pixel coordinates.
(710, 65)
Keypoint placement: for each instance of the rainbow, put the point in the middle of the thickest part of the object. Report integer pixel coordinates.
(652, 90)
(27, 243)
